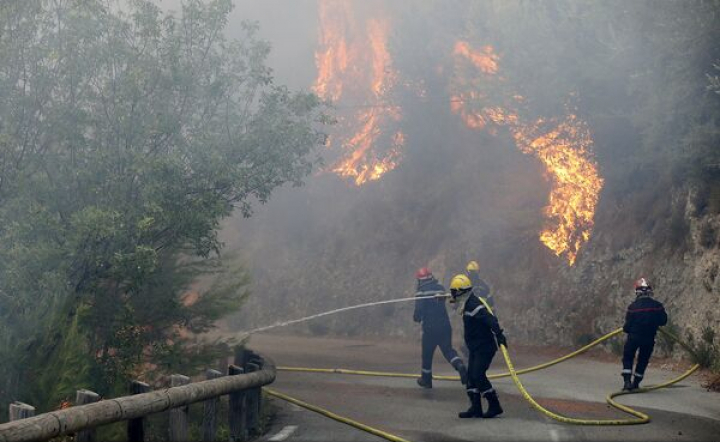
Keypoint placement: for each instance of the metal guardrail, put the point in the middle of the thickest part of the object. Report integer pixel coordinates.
(242, 384)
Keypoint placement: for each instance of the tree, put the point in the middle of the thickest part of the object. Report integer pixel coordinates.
(126, 136)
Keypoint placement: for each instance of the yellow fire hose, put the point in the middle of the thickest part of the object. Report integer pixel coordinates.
(337, 417)
(455, 378)
(640, 418)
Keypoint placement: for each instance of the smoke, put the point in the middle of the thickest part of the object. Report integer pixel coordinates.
(532, 74)
(456, 195)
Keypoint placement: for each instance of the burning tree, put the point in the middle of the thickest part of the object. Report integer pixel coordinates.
(355, 67)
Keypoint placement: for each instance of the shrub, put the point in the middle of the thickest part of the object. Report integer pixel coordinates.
(706, 352)
(665, 343)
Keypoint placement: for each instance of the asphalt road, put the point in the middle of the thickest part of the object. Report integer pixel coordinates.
(577, 388)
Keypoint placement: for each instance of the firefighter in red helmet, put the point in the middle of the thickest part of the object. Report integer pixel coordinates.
(430, 310)
(642, 320)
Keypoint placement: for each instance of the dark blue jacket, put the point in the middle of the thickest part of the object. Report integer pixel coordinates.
(431, 312)
(644, 317)
(480, 326)
(480, 288)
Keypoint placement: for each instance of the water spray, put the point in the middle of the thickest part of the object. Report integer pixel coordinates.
(345, 309)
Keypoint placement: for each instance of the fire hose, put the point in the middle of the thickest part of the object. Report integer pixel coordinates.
(638, 417)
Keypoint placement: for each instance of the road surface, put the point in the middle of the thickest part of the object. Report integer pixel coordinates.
(577, 388)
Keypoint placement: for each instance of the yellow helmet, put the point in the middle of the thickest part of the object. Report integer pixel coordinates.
(473, 266)
(460, 283)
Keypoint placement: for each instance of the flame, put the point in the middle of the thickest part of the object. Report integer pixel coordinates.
(332, 61)
(563, 146)
(564, 149)
(354, 62)
(485, 60)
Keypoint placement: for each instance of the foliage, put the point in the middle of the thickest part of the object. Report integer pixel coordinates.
(707, 353)
(666, 343)
(126, 135)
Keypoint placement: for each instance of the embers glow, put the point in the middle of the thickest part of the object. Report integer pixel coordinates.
(563, 146)
(348, 46)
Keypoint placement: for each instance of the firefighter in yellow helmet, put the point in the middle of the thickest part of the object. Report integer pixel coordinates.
(480, 288)
(481, 331)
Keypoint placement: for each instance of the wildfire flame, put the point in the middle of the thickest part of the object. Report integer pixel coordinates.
(332, 61)
(564, 148)
(485, 60)
(347, 46)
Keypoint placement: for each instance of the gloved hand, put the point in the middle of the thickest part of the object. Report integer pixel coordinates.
(416, 318)
(501, 340)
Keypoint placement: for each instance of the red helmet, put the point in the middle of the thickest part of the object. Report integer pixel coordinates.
(423, 273)
(642, 285)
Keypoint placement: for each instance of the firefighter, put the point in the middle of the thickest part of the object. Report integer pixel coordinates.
(480, 288)
(481, 331)
(437, 332)
(642, 320)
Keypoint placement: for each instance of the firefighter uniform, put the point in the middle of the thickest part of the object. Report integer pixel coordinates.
(481, 329)
(437, 332)
(642, 320)
(480, 288)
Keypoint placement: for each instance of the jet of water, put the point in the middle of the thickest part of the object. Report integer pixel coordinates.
(345, 309)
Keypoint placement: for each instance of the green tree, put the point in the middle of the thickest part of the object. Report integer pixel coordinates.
(126, 136)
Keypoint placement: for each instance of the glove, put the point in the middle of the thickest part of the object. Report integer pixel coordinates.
(501, 340)
(416, 318)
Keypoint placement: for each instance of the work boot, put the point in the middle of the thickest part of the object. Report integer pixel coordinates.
(462, 370)
(636, 383)
(475, 409)
(425, 380)
(494, 407)
(627, 385)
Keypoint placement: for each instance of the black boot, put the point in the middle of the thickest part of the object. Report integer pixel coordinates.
(475, 409)
(494, 407)
(627, 385)
(425, 380)
(636, 383)
(462, 370)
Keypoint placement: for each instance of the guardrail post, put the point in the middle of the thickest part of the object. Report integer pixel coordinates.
(83, 397)
(237, 418)
(21, 410)
(136, 427)
(253, 413)
(239, 356)
(178, 431)
(258, 360)
(209, 425)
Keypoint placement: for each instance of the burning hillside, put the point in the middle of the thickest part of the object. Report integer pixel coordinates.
(355, 72)
(562, 145)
